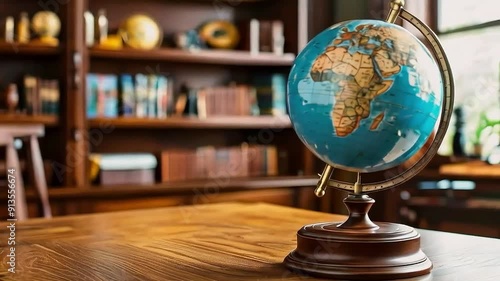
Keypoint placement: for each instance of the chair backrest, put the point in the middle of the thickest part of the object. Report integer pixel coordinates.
(30, 132)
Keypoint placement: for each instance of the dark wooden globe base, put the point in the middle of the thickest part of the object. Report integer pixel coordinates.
(358, 249)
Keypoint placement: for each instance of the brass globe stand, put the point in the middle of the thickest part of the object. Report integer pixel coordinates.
(358, 249)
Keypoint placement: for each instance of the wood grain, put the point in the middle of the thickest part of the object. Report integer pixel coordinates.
(205, 242)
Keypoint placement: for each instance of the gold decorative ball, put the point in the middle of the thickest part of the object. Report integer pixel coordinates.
(141, 32)
(46, 24)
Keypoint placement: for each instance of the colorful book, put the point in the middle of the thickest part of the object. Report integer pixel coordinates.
(91, 94)
(271, 94)
(127, 95)
(108, 95)
(162, 97)
(141, 95)
(102, 95)
(152, 95)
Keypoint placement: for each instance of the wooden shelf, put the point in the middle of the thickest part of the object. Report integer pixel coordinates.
(223, 122)
(27, 49)
(475, 171)
(177, 188)
(226, 57)
(454, 203)
(47, 120)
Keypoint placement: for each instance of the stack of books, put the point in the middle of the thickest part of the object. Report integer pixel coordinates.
(219, 163)
(41, 96)
(265, 96)
(122, 168)
(227, 101)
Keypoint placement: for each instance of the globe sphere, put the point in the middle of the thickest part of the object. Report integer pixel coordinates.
(141, 32)
(364, 95)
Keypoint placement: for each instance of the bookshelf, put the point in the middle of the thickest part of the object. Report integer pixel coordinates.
(72, 135)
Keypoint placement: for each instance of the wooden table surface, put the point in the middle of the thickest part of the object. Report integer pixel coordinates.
(227, 241)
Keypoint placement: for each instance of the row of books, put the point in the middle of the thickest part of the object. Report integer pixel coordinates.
(227, 100)
(41, 96)
(219, 163)
(266, 96)
(152, 96)
(138, 95)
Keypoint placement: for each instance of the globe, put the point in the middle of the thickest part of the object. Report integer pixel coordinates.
(364, 95)
(141, 32)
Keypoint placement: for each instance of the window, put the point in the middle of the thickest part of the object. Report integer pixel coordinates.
(456, 14)
(470, 34)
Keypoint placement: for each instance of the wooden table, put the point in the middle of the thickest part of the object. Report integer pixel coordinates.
(227, 241)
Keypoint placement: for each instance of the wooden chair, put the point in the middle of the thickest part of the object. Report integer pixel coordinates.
(29, 133)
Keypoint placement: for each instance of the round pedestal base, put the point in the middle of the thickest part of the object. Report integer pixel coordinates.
(389, 251)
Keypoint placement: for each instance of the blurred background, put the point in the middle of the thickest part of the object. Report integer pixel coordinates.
(141, 104)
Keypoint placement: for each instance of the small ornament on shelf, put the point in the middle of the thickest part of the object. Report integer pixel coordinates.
(102, 25)
(23, 28)
(140, 31)
(219, 34)
(9, 30)
(189, 40)
(459, 136)
(46, 25)
(12, 98)
(89, 28)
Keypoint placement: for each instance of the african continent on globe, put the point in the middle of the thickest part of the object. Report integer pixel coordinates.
(364, 95)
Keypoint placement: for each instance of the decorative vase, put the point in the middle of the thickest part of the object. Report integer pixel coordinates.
(11, 98)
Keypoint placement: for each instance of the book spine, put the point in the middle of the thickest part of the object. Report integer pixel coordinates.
(201, 103)
(141, 91)
(101, 96)
(265, 36)
(91, 95)
(152, 95)
(108, 95)
(279, 94)
(55, 97)
(170, 103)
(45, 93)
(127, 95)
(254, 36)
(278, 37)
(161, 97)
(30, 93)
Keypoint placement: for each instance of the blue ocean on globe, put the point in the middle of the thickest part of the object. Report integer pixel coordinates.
(364, 95)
